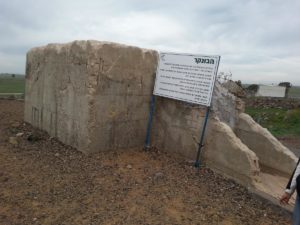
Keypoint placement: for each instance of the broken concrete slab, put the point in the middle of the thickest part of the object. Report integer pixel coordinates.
(234, 88)
(226, 106)
(269, 150)
(225, 153)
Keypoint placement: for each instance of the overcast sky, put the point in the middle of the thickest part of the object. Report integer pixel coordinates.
(259, 41)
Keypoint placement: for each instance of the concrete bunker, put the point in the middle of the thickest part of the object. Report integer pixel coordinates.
(95, 96)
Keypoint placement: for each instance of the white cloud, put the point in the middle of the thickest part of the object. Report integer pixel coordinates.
(270, 71)
(145, 28)
(258, 40)
(12, 63)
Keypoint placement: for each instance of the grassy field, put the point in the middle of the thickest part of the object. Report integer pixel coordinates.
(12, 84)
(280, 122)
(294, 92)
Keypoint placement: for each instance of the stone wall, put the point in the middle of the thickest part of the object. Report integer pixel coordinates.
(267, 102)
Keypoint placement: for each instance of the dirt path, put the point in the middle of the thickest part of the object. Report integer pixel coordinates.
(45, 182)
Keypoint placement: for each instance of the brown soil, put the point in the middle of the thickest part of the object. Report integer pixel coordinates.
(45, 182)
(293, 143)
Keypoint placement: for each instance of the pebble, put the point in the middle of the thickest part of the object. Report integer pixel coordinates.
(19, 134)
(129, 166)
(158, 175)
(13, 141)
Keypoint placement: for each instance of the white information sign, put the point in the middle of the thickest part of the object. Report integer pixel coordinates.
(186, 77)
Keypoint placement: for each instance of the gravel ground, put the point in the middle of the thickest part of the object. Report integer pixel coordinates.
(43, 181)
(293, 143)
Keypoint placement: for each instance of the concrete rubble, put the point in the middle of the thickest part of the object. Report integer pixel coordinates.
(229, 155)
(269, 150)
(234, 88)
(95, 96)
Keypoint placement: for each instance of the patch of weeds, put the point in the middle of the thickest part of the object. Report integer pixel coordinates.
(280, 122)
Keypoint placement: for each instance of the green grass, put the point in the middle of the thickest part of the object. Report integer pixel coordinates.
(294, 92)
(12, 85)
(280, 122)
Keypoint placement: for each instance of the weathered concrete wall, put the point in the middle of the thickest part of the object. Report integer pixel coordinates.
(269, 150)
(56, 97)
(234, 88)
(91, 95)
(177, 125)
(123, 80)
(226, 106)
(177, 128)
(95, 96)
(225, 153)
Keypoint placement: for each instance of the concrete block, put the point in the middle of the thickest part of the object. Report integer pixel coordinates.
(269, 150)
(95, 96)
(117, 135)
(74, 90)
(225, 153)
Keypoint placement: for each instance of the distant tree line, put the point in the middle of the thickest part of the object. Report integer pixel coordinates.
(288, 86)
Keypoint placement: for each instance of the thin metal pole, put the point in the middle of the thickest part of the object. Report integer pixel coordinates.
(152, 106)
(197, 162)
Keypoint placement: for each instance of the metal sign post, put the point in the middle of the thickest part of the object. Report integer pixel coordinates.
(200, 145)
(150, 118)
(185, 77)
